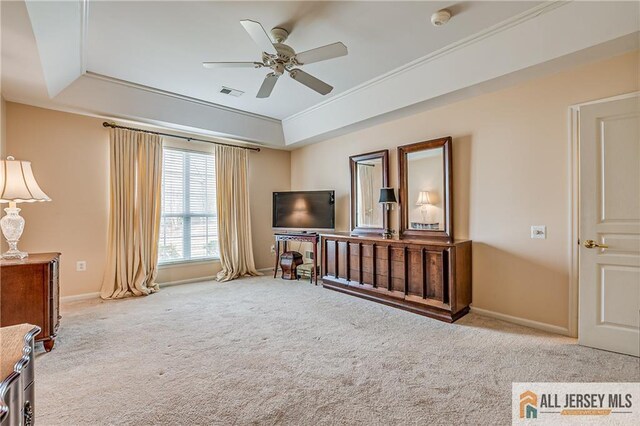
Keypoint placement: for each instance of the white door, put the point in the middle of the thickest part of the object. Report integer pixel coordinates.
(609, 312)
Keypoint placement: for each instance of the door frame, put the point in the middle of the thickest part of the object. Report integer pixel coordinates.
(574, 205)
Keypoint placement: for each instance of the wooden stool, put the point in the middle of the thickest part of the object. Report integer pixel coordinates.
(289, 261)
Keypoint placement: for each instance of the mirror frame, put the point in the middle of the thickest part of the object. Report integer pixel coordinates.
(353, 164)
(405, 231)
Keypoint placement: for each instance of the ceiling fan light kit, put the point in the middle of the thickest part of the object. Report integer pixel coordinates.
(281, 58)
(441, 17)
(280, 35)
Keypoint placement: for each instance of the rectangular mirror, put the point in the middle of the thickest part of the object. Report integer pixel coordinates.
(425, 189)
(425, 179)
(369, 173)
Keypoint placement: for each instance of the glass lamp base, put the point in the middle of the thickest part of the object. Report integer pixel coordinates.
(14, 254)
(12, 225)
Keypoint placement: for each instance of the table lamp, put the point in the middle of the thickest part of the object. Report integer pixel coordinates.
(17, 185)
(423, 202)
(388, 199)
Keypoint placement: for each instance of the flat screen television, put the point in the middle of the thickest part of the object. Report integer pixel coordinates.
(304, 210)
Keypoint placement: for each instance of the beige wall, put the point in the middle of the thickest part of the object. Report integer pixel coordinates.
(69, 153)
(511, 171)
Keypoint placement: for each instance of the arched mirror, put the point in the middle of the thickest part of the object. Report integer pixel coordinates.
(426, 209)
(369, 173)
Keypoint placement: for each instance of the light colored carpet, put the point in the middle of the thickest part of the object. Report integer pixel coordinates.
(265, 351)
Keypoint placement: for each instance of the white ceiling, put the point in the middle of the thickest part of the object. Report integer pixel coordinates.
(162, 44)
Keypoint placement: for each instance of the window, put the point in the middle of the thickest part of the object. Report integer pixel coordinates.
(189, 224)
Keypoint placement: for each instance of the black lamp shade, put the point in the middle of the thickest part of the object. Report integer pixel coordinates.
(387, 195)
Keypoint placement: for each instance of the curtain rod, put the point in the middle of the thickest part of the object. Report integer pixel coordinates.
(115, 126)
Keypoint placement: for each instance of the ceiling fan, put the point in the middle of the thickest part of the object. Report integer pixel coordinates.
(282, 58)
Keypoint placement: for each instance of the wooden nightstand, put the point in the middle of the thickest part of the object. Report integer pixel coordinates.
(30, 293)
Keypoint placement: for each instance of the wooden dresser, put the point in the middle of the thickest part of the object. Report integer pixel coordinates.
(30, 293)
(17, 390)
(431, 278)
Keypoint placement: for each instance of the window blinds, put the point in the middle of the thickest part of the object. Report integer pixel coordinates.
(188, 229)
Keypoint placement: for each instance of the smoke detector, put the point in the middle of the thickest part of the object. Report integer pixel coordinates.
(441, 17)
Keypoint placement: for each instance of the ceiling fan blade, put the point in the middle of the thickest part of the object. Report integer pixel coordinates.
(310, 81)
(267, 86)
(323, 53)
(259, 36)
(232, 64)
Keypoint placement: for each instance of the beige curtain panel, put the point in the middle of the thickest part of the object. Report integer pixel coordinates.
(134, 216)
(234, 221)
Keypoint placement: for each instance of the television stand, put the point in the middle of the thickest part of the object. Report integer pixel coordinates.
(307, 237)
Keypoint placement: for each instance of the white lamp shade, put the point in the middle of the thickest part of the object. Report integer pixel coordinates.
(17, 183)
(423, 198)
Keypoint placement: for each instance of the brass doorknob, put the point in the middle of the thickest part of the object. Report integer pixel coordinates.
(592, 244)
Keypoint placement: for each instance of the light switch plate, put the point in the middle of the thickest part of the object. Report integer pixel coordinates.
(81, 266)
(539, 231)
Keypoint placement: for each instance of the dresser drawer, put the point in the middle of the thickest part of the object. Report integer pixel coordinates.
(33, 286)
(427, 277)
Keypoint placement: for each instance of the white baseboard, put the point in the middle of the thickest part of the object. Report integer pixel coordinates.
(78, 297)
(522, 321)
(189, 281)
(96, 295)
(266, 269)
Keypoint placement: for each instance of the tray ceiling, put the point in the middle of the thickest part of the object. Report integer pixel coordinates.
(162, 44)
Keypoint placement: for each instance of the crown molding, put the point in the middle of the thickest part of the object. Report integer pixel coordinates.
(536, 11)
(146, 124)
(173, 95)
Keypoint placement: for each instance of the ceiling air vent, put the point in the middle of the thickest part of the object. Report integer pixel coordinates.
(229, 91)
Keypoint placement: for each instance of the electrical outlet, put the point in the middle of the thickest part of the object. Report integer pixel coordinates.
(273, 249)
(539, 231)
(81, 265)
